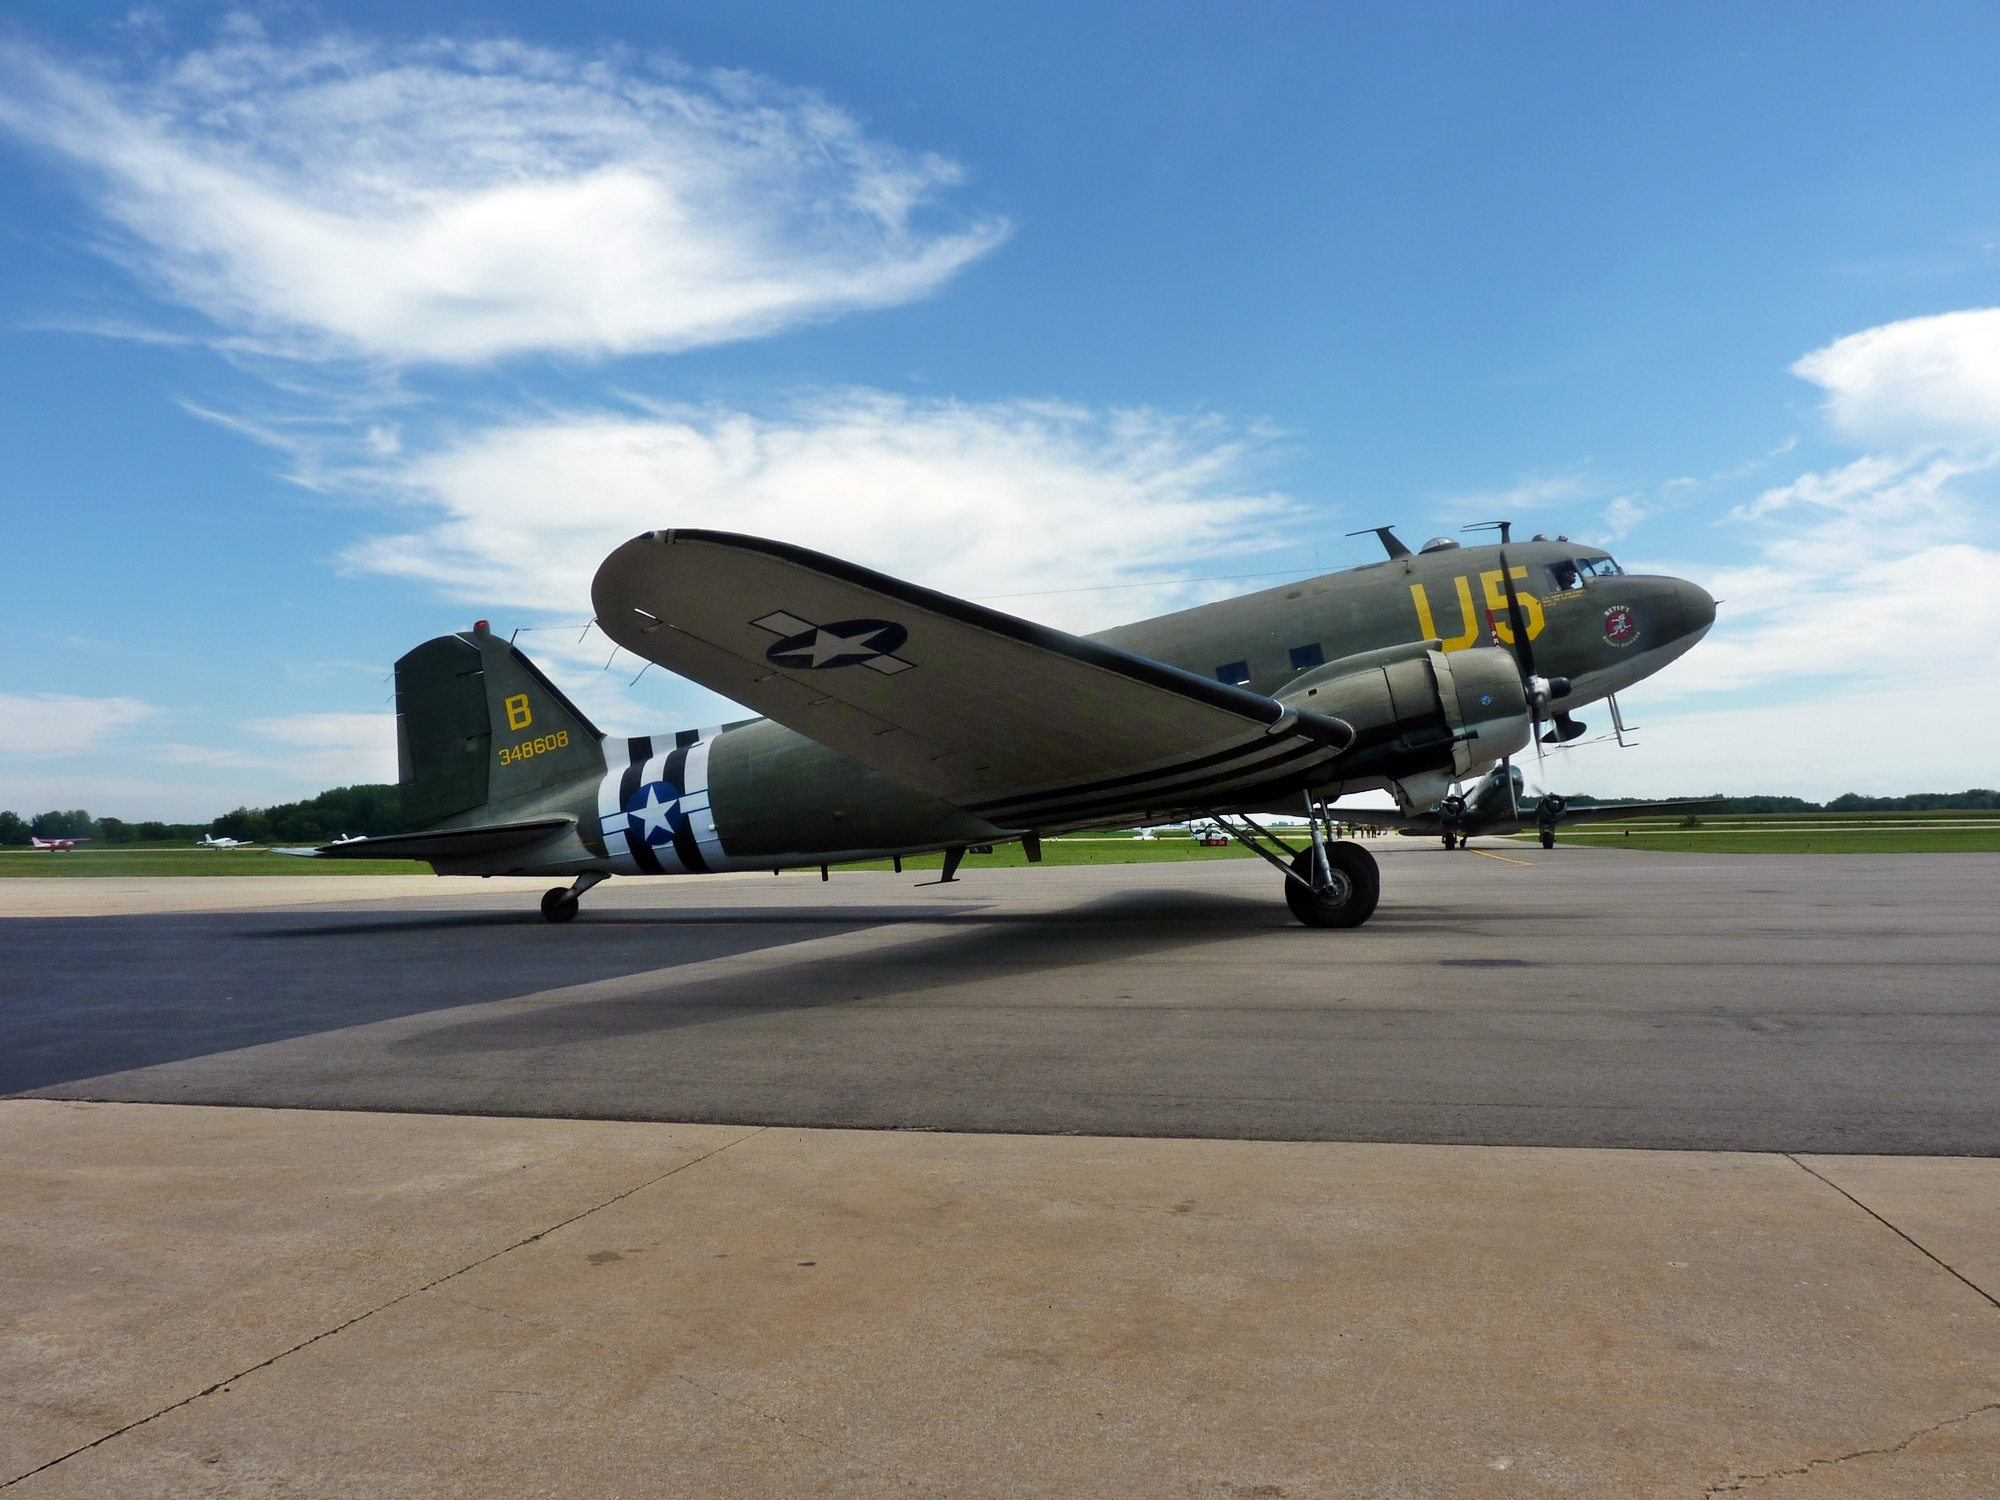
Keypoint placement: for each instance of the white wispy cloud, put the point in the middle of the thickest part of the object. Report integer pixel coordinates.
(978, 499)
(1877, 568)
(454, 202)
(304, 753)
(44, 724)
(1007, 498)
(1919, 382)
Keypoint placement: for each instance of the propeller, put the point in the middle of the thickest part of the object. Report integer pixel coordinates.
(1540, 691)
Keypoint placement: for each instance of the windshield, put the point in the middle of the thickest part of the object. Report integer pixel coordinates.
(1569, 573)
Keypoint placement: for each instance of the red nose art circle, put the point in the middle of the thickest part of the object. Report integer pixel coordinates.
(1620, 627)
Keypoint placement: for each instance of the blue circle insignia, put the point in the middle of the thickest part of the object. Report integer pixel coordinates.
(654, 813)
(845, 643)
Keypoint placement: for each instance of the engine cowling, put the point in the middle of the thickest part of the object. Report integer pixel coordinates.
(1415, 708)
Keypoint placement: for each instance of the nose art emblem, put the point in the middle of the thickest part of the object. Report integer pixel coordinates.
(1620, 628)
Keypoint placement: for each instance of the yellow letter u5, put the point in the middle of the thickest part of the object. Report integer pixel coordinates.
(1427, 627)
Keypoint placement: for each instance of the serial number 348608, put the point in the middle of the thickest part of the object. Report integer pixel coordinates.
(541, 744)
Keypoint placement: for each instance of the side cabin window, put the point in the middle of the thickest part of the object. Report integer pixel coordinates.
(1307, 656)
(1236, 673)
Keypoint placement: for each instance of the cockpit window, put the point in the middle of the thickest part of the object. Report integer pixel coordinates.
(1570, 573)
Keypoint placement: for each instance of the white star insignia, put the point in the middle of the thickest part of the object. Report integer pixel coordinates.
(828, 647)
(656, 816)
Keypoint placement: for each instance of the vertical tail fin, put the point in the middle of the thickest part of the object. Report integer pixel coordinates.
(478, 725)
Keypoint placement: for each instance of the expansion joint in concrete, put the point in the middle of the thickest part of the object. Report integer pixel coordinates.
(1793, 1471)
(361, 1317)
(1900, 1233)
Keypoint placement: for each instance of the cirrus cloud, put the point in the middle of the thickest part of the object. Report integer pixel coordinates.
(456, 202)
(982, 500)
(40, 724)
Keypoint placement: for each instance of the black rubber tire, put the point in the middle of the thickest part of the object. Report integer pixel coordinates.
(1548, 838)
(1364, 881)
(1451, 841)
(558, 905)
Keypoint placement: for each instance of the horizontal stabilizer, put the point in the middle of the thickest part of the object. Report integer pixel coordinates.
(442, 843)
(1021, 725)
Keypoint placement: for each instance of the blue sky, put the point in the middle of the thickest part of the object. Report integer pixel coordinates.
(325, 331)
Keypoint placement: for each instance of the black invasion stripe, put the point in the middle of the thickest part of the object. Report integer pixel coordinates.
(687, 737)
(1251, 751)
(1240, 701)
(1257, 793)
(642, 853)
(981, 808)
(1143, 798)
(684, 842)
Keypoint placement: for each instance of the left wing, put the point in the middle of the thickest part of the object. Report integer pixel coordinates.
(1023, 726)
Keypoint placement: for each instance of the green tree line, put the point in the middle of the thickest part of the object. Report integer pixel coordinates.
(342, 810)
(1978, 799)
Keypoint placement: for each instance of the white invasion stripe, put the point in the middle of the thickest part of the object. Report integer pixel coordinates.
(695, 804)
(652, 771)
(611, 819)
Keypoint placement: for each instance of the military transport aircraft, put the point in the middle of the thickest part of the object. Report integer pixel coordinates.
(1499, 803)
(899, 720)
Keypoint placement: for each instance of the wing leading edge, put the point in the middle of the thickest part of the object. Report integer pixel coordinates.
(1024, 726)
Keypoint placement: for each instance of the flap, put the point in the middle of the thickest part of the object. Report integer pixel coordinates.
(1019, 724)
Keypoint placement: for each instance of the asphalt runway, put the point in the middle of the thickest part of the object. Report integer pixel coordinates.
(1573, 997)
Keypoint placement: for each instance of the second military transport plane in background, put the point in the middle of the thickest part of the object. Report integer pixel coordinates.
(899, 720)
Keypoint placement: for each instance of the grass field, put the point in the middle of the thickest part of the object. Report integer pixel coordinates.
(1799, 833)
(185, 861)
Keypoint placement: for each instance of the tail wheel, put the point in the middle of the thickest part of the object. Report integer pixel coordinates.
(558, 905)
(1349, 900)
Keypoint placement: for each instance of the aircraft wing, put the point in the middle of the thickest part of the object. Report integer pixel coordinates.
(444, 843)
(1023, 726)
(1597, 812)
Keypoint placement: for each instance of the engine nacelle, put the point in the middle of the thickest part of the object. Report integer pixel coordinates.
(1415, 708)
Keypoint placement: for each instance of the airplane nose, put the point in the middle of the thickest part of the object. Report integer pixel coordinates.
(1697, 606)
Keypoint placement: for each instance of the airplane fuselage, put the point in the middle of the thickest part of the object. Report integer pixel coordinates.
(758, 795)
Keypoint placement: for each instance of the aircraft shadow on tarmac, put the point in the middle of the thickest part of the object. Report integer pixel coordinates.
(974, 948)
(748, 916)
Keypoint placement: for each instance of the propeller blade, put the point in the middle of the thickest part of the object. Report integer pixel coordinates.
(1524, 651)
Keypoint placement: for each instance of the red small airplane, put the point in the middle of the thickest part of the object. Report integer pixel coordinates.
(57, 846)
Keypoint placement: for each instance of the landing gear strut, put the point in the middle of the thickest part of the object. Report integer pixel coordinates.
(560, 905)
(1331, 884)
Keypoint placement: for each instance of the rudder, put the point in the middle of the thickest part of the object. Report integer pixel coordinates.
(478, 724)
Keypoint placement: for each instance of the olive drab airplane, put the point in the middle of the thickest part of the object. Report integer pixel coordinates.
(1499, 803)
(898, 720)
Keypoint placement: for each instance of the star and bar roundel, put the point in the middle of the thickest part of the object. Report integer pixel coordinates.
(653, 814)
(843, 643)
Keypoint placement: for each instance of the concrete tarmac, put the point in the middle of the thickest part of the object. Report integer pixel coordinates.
(1575, 997)
(227, 1302)
(342, 1297)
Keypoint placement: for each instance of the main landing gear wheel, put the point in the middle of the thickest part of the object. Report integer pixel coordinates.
(558, 905)
(1548, 838)
(1349, 900)
(1451, 841)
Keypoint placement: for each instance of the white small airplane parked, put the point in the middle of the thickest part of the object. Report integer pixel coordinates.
(210, 841)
